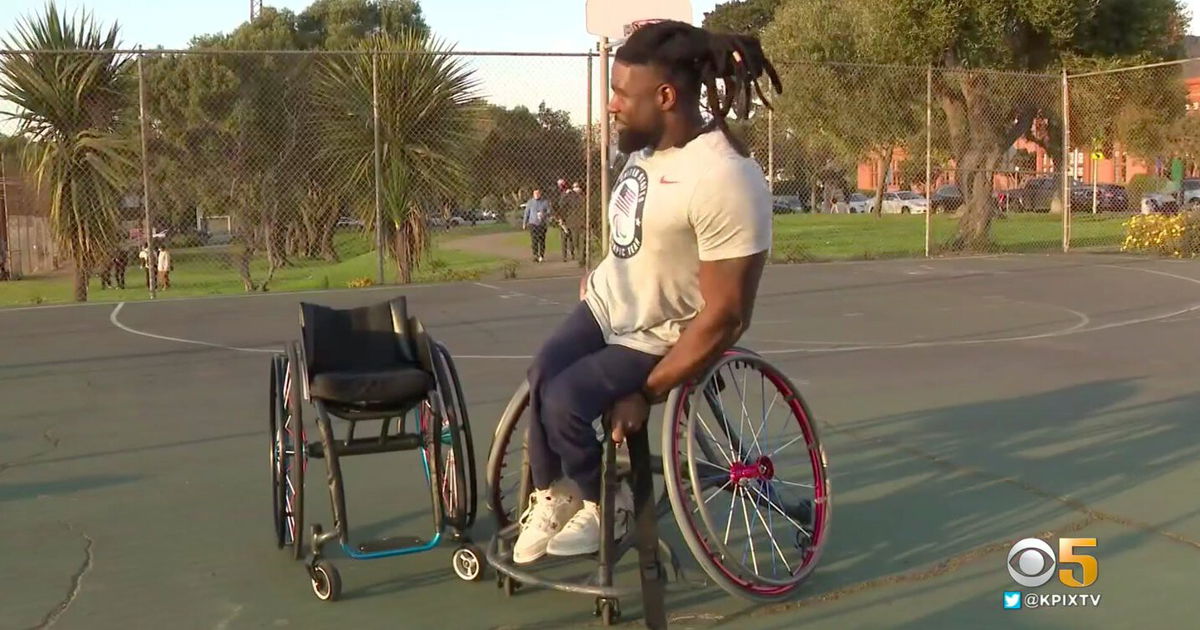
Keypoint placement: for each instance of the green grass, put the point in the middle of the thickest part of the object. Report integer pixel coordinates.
(798, 237)
(849, 237)
(824, 237)
(211, 271)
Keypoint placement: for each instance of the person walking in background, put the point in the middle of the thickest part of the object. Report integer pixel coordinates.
(570, 213)
(164, 268)
(535, 219)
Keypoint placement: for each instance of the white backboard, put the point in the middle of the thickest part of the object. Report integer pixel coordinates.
(615, 18)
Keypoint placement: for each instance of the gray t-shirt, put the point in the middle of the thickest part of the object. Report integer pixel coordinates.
(670, 210)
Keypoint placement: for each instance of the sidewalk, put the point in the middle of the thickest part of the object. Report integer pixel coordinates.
(514, 246)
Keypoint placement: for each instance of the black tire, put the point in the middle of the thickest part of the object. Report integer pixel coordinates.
(468, 439)
(299, 447)
(278, 482)
(326, 581)
(690, 493)
(468, 563)
(508, 478)
(456, 483)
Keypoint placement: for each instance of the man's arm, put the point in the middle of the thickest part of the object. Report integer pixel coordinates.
(729, 288)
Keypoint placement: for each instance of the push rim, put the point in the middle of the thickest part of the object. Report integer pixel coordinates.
(752, 469)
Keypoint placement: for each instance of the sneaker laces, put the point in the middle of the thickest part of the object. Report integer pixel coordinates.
(541, 508)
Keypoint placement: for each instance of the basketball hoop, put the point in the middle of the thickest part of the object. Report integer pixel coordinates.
(616, 19)
(633, 26)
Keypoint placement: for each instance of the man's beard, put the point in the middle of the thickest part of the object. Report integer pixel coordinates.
(632, 140)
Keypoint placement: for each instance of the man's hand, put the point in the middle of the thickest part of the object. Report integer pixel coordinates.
(629, 415)
(583, 287)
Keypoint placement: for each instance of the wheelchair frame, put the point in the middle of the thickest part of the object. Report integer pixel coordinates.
(651, 549)
(442, 403)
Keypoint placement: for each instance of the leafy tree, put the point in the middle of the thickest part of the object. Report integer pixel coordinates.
(518, 150)
(70, 108)
(741, 16)
(427, 115)
(344, 24)
(982, 113)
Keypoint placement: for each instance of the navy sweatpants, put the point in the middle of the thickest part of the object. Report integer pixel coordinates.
(574, 379)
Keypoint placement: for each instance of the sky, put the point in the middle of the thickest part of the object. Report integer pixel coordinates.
(470, 25)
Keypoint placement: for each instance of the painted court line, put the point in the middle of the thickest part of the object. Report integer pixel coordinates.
(1080, 327)
(116, 322)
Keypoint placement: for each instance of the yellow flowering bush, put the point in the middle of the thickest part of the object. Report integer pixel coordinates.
(359, 283)
(1175, 235)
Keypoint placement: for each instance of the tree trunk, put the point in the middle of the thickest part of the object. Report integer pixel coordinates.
(244, 268)
(325, 245)
(877, 210)
(400, 253)
(980, 132)
(82, 274)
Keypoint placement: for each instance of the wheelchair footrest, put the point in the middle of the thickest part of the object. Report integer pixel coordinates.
(390, 544)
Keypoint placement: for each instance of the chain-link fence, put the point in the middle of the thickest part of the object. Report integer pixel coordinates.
(193, 172)
(221, 171)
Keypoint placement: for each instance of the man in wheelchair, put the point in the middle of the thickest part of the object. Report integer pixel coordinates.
(690, 219)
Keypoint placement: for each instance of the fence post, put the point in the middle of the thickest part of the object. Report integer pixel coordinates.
(604, 157)
(1066, 165)
(6, 270)
(151, 258)
(587, 189)
(378, 164)
(771, 150)
(928, 158)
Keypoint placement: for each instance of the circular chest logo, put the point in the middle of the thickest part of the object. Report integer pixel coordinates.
(625, 212)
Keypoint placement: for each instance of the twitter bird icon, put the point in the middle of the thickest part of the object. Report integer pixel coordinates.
(1012, 599)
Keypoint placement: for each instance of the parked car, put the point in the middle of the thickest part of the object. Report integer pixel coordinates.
(948, 198)
(1108, 198)
(788, 204)
(904, 202)
(1190, 193)
(860, 203)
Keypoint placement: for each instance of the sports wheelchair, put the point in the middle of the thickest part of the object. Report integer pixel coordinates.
(710, 450)
(363, 364)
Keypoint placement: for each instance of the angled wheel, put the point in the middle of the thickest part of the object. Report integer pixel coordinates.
(277, 411)
(456, 483)
(746, 476)
(508, 477)
(293, 453)
(457, 408)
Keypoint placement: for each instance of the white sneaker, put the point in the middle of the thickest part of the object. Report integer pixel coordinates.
(581, 534)
(546, 515)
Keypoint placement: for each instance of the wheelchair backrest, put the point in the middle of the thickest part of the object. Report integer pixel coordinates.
(367, 338)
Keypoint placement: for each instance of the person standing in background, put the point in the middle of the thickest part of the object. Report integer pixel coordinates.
(535, 219)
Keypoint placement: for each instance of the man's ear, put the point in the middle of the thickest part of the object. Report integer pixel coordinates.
(668, 96)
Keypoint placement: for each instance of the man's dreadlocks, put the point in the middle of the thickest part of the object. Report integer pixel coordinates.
(693, 57)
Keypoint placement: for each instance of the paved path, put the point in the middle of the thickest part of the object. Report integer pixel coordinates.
(515, 247)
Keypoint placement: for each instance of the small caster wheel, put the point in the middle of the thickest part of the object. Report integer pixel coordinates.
(608, 610)
(326, 583)
(468, 563)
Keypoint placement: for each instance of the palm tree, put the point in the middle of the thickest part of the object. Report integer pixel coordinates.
(428, 110)
(69, 109)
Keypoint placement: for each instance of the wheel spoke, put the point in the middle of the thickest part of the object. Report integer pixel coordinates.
(774, 543)
(749, 530)
(782, 513)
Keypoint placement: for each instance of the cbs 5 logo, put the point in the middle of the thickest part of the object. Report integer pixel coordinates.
(1031, 562)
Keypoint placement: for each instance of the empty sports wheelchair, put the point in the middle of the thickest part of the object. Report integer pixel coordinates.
(373, 363)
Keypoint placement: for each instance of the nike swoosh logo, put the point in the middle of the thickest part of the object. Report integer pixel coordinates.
(664, 180)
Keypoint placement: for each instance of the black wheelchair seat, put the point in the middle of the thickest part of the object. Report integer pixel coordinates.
(386, 388)
(367, 358)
